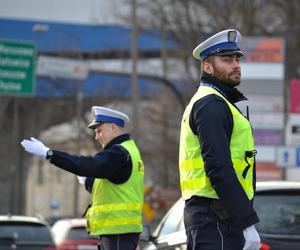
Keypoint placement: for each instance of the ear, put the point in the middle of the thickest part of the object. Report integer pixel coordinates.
(208, 68)
(115, 128)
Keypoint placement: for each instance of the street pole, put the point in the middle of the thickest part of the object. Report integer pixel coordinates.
(164, 120)
(15, 168)
(79, 98)
(134, 74)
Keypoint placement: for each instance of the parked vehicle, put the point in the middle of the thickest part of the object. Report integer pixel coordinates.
(277, 204)
(70, 234)
(25, 233)
(170, 232)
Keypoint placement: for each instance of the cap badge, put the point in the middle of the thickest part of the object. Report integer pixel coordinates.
(232, 35)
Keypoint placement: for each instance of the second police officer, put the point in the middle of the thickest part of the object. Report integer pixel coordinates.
(216, 156)
(117, 174)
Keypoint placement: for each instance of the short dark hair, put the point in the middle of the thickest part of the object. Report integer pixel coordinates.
(209, 59)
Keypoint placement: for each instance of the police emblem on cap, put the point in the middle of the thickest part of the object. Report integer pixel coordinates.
(232, 36)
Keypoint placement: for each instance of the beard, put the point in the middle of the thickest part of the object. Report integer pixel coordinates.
(231, 79)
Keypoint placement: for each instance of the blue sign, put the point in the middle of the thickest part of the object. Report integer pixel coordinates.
(286, 156)
(54, 204)
(298, 157)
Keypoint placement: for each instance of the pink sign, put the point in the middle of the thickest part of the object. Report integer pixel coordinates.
(267, 137)
(295, 96)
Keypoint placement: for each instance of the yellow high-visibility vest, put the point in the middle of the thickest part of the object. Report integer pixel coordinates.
(193, 179)
(117, 208)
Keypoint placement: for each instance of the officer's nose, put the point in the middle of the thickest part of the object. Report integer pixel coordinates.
(236, 62)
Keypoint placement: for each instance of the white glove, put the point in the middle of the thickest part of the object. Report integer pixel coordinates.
(35, 147)
(252, 238)
(81, 179)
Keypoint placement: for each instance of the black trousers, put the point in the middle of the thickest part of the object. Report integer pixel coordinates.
(207, 231)
(127, 241)
(215, 236)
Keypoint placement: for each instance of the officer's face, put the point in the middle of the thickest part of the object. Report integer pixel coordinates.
(227, 69)
(105, 133)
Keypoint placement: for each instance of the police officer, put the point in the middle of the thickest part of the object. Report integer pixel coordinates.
(115, 211)
(216, 156)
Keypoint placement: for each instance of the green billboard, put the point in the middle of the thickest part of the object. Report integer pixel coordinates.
(17, 67)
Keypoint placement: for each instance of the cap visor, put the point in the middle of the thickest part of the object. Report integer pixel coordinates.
(228, 52)
(94, 125)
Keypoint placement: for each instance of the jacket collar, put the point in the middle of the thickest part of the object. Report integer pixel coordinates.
(117, 140)
(232, 94)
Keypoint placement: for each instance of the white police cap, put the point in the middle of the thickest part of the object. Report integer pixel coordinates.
(102, 115)
(222, 43)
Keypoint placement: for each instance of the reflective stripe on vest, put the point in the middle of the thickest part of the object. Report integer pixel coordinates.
(193, 179)
(116, 208)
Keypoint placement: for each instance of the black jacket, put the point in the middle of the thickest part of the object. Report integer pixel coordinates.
(112, 163)
(211, 120)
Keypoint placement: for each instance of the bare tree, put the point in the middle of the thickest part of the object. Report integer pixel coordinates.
(187, 22)
(190, 21)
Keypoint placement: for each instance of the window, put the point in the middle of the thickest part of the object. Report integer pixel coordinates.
(25, 232)
(79, 233)
(279, 213)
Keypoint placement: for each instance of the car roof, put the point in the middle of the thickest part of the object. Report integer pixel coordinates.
(22, 218)
(269, 185)
(277, 185)
(73, 222)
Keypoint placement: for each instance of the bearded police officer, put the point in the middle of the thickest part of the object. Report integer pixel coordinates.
(116, 178)
(216, 156)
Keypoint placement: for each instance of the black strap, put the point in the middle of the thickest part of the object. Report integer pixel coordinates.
(85, 211)
(248, 154)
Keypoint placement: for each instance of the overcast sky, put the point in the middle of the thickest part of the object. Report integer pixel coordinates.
(69, 11)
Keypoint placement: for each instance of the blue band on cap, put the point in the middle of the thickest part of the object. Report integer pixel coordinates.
(216, 47)
(105, 118)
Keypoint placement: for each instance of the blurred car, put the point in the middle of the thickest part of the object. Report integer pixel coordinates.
(25, 233)
(71, 234)
(170, 232)
(277, 204)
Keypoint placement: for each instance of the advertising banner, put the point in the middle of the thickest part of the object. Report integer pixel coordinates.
(270, 120)
(267, 137)
(263, 49)
(295, 96)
